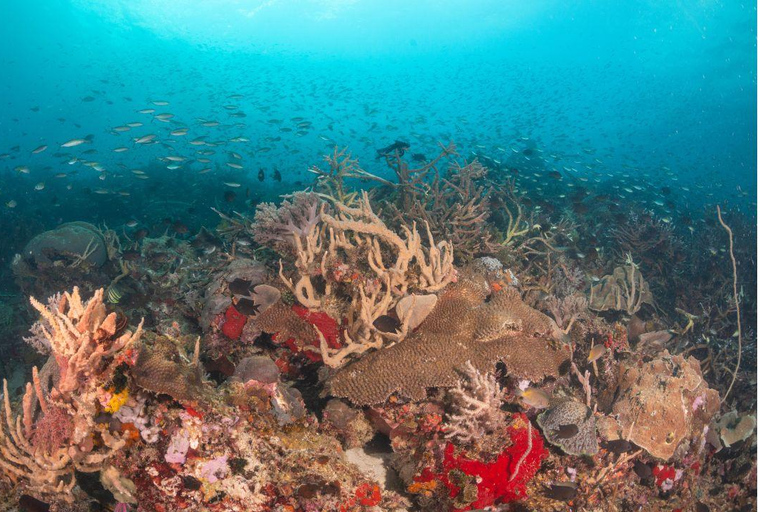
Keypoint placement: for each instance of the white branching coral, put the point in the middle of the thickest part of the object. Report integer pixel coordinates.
(476, 402)
(567, 310)
(57, 433)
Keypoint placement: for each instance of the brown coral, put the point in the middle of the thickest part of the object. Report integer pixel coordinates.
(462, 327)
(624, 290)
(663, 403)
(286, 324)
(161, 369)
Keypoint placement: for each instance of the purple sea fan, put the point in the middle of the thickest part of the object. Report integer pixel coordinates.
(275, 226)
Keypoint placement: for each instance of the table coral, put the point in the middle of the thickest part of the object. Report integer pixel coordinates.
(462, 327)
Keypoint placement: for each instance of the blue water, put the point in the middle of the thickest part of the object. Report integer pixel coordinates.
(663, 92)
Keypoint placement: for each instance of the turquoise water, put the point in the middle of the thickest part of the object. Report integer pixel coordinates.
(657, 93)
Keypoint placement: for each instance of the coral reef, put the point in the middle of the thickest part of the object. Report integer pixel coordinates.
(624, 290)
(348, 350)
(58, 431)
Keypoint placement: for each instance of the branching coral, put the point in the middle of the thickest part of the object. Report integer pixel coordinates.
(276, 226)
(353, 267)
(57, 432)
(476, 402)
(82, 337)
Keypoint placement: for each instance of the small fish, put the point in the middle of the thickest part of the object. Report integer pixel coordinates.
(618, 446)
(247, 307)
(146, 139)
(386, 323)
(534, 398)
(73, 142)
(276, 176)
(642, 469)
(234, 165)
(11, 204)
(261, 175)
(566, 431)
(132, 223)
(40, 186)
(240, 287)
(232, 184)
(562, 491)
(596, 353)
(398, 148)
(39, 149)
(160, 103)
(114, 294)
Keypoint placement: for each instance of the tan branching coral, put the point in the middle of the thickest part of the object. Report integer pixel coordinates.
(56, 432)
(462, 327)
(356, 269)
(81, 337)
(476, 404)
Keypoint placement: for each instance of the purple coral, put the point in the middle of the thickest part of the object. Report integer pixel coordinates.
(215, 469)
(275, 226)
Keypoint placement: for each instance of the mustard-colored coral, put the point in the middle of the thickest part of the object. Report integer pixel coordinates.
(116, 401)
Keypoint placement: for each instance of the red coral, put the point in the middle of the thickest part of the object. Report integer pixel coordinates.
(664, 473)
(233, 323)
(368, 495)
(502, 480)
(325, 324)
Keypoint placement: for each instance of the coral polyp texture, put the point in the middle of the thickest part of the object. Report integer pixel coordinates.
(462, 327)
(433, 342)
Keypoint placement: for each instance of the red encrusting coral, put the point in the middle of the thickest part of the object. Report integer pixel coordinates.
(233, 323)
(664, 473)
(324, 323)
(502, 480)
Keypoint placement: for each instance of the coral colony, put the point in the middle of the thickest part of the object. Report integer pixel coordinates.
(429, 343)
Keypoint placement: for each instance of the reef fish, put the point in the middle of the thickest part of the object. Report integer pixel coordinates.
(240, 287)
(567, 431)
(398, 147)
(386, 323)
(562, 491)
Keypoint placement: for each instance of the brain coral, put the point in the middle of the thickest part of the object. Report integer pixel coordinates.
(161, 369)
(663, 403)
(570, 414)
(462, 327)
